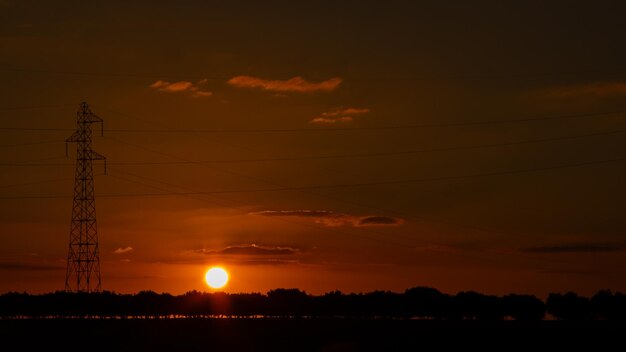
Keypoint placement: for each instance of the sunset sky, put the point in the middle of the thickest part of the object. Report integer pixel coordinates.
(323, 145)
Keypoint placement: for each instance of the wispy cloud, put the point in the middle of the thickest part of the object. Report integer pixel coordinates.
(592, 90)
(300, 213)
(123, 250)
(330, 121)
(182, 86)
(330, 218)
(295, 84)
(339, 115)
(345, 111)
(575, 248)
(241, 254)
(249, 250)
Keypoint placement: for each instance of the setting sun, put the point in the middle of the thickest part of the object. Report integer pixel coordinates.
(216, 277)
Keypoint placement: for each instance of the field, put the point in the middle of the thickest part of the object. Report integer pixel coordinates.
(303, 334)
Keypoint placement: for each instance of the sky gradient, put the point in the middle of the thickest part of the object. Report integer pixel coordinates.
(351, 145)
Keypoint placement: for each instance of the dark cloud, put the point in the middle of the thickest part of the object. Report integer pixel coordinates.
(235, 260)
(300, 213)
(324, 217)
(242, 254)
(262, 261)
(331, 218)
(250, 250)
(575, 248)
(247, 254)
(379, 221)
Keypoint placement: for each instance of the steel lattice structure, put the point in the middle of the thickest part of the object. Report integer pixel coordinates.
(83, 259)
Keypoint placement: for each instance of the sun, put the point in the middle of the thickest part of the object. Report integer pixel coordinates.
(216, 277)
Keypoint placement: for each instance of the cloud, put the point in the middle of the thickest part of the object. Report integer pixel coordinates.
(378, 220)
(596, 89)
(331, 218)
(266, 261)
(295, 84)
(241, 254)
(171, 87)
(250, 250)
(299, 213)
(575, 248)
(123, 250)
(345, 111)
(329, 121)
(182, 86)
(200, 93)
(339, 115)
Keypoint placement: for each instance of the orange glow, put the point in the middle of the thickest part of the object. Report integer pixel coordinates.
(216, 277)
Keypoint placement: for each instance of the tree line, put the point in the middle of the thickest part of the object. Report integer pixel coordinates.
(414, 303)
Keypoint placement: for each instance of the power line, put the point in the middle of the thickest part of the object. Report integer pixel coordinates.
(109, 74)
(299, 223)
(36, 162)
(188, 194)
(236, 208)
(308, 192)
(159, 188)
(378, 154)
(455, 77)
(403, 152)
(164, 126)
(334, 129)
(345, 185)
(271, 183)
(418, 180)
(258, 179)
(27, 144)
(39, 129)
(35, 107)
(33, 183)
(335, 156)
(375, 128)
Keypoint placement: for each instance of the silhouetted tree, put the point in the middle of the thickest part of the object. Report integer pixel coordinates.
(288, 302)
(417, 302)
(332, 304)
(474, 305)
(382, 304)
(523, 307)
(609, 306)
(426, 302)
(569, 306)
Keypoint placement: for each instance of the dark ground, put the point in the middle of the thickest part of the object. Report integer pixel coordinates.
(305, 334)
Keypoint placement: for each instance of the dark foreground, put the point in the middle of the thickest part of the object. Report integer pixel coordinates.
(303, 334)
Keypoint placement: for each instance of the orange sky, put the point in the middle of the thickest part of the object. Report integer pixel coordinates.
(273, 119)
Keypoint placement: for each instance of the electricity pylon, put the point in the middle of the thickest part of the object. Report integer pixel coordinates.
(83, 259)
